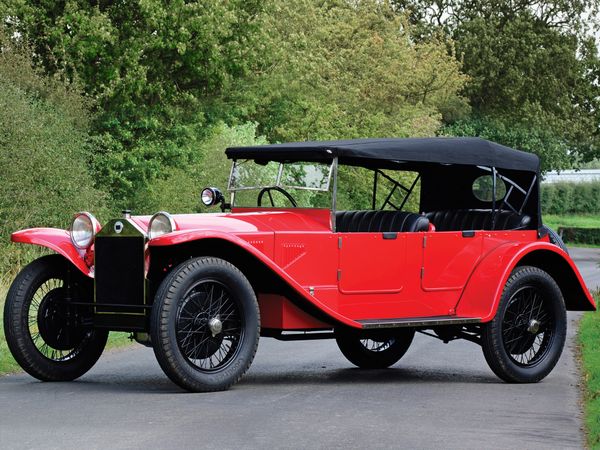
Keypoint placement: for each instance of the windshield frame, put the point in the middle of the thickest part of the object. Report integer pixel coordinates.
(233, 189)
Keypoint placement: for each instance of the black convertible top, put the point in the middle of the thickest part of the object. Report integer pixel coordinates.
(371, 152)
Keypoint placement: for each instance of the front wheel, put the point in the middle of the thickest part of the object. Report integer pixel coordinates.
(375, 350)
(205, 325)
(44, 333)
(524, 341)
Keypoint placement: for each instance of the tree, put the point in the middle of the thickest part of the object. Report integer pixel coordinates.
(351, 69)
(44, 151)
(156, 70)
(531, 64)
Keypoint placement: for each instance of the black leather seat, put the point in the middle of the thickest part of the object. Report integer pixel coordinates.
(379, 221)
(477, 219)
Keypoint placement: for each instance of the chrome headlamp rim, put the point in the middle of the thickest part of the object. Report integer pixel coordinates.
(94, 225)
(170, 220)
(212, 194)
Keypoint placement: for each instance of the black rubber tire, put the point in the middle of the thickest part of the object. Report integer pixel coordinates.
(492, 341)
(354, 350)
(169, 297)
(16, 327)
(555, 239)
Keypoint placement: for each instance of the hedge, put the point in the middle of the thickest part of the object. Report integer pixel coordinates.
(571, 198)
(580, 235)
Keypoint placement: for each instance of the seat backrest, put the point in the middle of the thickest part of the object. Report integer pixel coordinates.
(477, 219)
(380, 221)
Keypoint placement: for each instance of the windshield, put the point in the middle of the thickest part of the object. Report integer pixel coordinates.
(296, 184)
(247, 174)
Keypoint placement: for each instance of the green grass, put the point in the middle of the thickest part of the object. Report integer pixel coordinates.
(554, 221)
(9, 365)
(589, 341)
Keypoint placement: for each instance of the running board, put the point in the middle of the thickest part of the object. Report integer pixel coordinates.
(417, 322)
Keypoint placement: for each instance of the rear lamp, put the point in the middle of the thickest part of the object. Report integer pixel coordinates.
(161, 223)
(83, 228)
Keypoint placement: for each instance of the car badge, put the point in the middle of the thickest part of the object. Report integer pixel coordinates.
(118, 227)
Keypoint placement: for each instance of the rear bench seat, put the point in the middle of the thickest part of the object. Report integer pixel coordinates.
(477, 219)
(379, 221)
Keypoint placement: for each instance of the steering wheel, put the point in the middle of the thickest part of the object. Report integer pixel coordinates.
(278, 189)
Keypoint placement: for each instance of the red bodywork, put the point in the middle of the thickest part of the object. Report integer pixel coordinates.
(352, 277)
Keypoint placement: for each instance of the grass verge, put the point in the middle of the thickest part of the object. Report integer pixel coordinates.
(554, 221)
(589, 341)
(9, 365)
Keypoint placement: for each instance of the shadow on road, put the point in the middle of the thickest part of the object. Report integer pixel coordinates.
(154, 383)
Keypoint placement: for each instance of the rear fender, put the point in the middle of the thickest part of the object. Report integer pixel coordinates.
(481, 296)
(195, 239)
(57, 240)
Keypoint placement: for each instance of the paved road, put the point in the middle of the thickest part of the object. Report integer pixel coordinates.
(300, 395)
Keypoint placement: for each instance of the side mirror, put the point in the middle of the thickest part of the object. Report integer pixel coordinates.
(211, 196)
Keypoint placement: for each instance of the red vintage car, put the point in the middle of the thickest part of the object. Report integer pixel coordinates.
(362, 241)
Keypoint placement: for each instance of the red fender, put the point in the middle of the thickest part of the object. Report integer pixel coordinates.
(57, 240)
(181, 237)
(481, 296)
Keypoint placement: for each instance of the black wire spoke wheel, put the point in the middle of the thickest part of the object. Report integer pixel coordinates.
(376, 350)
(528, 327)
(44, 331)
(375, 345)
(524, 341)
(52, 323)
(209, 326)
(205, 325)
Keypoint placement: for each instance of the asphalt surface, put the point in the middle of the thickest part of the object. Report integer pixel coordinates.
(304, 395)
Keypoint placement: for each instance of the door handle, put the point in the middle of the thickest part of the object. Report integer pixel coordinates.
(390, 235)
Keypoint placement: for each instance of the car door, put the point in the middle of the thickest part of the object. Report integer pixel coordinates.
(371, 263)
(449, 258)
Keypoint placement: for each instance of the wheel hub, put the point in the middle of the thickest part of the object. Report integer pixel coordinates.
(56, 324)
(215, 326)
(534, 326)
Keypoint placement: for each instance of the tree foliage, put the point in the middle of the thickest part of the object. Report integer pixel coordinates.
(157, 71)
(351, 69)
(44, 150)
(163, 74)
(530, 63)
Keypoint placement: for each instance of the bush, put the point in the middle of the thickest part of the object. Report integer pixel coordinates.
(590, 236)
(571, 198)
(44, 153)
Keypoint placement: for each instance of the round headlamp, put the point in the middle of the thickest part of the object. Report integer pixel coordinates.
(83, 228)
(160, 223)
(211, 196)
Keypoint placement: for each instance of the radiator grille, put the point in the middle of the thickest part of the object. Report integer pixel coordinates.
(119, 273)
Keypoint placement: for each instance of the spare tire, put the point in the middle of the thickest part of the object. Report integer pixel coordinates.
(555, 238)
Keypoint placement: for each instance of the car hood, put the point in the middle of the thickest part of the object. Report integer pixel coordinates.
(250, 221)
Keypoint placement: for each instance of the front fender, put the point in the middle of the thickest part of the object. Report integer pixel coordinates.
(182, 237)
(483, 291)
(55, 239)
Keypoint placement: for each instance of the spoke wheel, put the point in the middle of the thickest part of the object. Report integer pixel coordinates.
(205, 325)
(374, 351)
(525, 339)
(528, 327)
(52, 324)
(209, 326)
(45, 333)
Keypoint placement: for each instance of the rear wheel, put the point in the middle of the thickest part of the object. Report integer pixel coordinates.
(205, 325)
(524, 341)
(45, 333)
(555, 238)
(375, 350)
